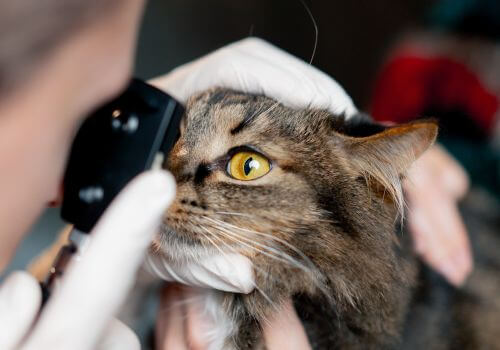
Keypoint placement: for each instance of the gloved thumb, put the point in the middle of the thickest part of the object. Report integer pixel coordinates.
(20, 298)
(118, 337)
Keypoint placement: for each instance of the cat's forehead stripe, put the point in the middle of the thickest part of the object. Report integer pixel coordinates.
(252, 112)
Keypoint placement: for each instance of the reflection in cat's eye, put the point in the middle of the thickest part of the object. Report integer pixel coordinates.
(248, 166)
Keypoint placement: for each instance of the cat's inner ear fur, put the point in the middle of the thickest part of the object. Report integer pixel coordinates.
(384, 158)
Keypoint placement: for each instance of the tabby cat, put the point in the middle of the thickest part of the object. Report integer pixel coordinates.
(315, 201)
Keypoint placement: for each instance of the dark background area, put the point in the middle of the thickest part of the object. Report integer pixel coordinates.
(354, 36)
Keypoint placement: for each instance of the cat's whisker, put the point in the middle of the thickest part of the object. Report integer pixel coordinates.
(235, 214)
(235, 239)
(316, 30)
(270, 237)
(241, 240)
(265, 273)
(285, 243)
(271, 219)
(232, 249)
(320, 284)
(281, 256)
(264, 295)
(309, 269)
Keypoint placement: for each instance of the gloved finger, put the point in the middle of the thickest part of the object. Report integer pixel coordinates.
(94, 287)
(228, 272)
(441, 239)
(118, 336)
(183, 323)
(206, 323)
(451, 174)
(255, 66)
(170, 320)
(285, 331)
(439, 233)
(20, 299)
(437, 168)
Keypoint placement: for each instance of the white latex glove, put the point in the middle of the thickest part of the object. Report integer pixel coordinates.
(253, 66)
(229, 272)
(79, 314)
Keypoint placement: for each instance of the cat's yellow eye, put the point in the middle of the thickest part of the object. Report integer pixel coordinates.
(248, 166)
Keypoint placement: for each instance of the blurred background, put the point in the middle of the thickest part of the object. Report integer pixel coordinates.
(399, 60)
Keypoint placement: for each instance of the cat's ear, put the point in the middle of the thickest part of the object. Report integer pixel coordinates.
(386, 156)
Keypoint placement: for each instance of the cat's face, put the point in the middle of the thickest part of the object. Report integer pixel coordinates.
(283, 187)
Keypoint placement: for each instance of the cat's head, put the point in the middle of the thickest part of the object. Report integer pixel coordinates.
(299, 192)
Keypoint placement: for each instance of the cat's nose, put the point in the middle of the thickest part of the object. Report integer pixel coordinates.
(193, 203)
(187, 198)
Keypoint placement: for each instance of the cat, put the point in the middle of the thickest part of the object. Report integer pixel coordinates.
(315, 201)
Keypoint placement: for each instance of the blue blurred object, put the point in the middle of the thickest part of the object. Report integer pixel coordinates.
(472, 17)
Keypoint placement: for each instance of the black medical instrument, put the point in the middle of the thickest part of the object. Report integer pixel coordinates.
(130, 134)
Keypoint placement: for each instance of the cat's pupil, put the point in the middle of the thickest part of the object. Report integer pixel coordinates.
(247, 168)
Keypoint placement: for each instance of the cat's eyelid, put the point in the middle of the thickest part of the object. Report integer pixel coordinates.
(246, 148)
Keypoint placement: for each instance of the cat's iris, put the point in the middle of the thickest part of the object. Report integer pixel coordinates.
(248, 166)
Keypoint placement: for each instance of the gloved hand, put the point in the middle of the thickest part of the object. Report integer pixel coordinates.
(79, 314)
(254, 66)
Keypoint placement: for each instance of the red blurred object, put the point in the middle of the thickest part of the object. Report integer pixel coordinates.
(410, 85)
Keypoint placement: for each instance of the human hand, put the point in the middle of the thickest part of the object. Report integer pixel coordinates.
(79, 314)
(183, 323)
(436, 183)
